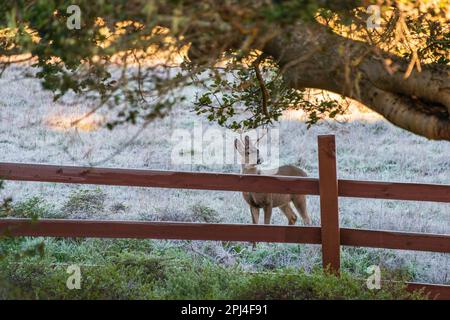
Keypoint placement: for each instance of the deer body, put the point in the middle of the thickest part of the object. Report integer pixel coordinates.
(268, 201)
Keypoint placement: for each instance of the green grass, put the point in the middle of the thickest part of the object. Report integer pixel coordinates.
(85, 202)
(32, 208)
(143, 269)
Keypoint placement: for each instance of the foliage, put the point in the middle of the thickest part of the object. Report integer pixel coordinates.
(198, 212)
(85, 202)
(6, 202)
(139, 269)
(234, 98)
(125, 51)
(32, 208)
(79, 203)
(291, 284)
(203, 213)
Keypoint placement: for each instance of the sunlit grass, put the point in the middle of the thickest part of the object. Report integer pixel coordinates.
(80, 122)
(353, 110)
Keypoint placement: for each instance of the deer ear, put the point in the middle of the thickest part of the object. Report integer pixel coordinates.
(247, 141)
(238, 145)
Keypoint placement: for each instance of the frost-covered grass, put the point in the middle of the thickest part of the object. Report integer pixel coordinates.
(33, 128)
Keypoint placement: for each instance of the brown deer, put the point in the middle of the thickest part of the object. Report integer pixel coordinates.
(267, 201)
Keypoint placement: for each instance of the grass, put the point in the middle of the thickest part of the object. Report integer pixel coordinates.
(143, 269)
(84, 202)
(32, 208)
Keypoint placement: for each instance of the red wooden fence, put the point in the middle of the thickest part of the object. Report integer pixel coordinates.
(328, 187)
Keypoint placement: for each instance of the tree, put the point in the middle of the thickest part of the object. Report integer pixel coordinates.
(252, 58)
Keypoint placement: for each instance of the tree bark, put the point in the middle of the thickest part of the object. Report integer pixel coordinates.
(311, 56)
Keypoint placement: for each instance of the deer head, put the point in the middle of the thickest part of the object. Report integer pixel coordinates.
(249, 153)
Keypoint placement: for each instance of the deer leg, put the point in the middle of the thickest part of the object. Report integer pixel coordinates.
(255, 214)
(255, 220)
(300, 205)
(289, 213)
(267, 214)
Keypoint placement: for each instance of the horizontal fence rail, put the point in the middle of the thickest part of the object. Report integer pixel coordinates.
(220, 232)
(329, 235)
(394, 190)
(158, 178)
(435, 291)
(395, 240)
(160, 230)
(220, 181)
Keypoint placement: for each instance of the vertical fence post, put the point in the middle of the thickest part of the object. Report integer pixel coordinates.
(329, 210)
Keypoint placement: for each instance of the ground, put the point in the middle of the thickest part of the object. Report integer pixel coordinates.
(35, 129)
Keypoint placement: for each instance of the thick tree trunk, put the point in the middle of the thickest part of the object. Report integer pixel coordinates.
(314, 57)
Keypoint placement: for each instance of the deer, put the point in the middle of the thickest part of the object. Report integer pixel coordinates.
(268, 201)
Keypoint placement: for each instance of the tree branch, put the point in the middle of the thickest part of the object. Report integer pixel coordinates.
(420, 103)
(264, 92)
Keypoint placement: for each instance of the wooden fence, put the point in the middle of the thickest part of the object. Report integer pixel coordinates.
(328, 187)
